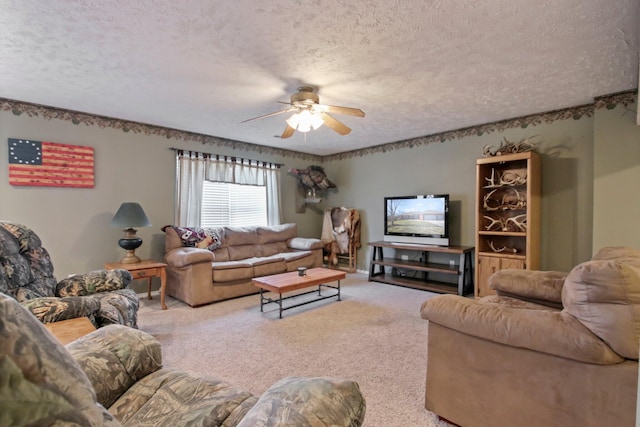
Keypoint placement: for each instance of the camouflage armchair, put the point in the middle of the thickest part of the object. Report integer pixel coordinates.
(26, 274)
(114, 376)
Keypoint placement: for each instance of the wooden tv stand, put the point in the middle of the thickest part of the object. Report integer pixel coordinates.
(416, 274)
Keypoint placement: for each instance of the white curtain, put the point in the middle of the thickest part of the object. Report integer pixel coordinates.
(192, 169)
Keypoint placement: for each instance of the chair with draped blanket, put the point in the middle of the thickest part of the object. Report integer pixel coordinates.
(341, 237)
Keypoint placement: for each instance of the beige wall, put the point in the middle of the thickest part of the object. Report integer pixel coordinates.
(75, 223)
(566, 147)
(616, 177)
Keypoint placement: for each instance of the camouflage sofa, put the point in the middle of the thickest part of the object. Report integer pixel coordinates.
(114, 376)
(26, 274)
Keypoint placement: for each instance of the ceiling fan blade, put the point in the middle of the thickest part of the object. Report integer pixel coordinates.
(334, 124)
(269, 115)
(342, 110)
(287, 132)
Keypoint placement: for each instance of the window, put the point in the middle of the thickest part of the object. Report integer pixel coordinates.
(238, 205)
(233, 204)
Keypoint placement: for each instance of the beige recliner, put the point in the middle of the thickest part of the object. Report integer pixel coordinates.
(550, 349)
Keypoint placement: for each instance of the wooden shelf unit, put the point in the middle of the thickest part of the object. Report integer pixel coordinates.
(507, 215)
(416, 274)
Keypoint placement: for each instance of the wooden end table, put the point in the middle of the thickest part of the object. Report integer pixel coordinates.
(69, 330)
(146, 269)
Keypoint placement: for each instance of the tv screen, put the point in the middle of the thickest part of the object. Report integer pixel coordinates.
(420, 219)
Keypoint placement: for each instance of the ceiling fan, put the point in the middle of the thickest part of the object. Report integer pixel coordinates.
(310, 114)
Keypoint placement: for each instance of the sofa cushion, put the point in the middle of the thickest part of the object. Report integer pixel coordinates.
(234, 236)
(232, 270)
(221, 254)
(299, 259)
(277, 233)
(230, 265)
(295, 255)
(269, 249)
(260, 261)
(604, 295)
(243, 252)
(266, 266)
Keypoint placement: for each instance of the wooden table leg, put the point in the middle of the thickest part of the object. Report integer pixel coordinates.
(149, 288)
(163, 284)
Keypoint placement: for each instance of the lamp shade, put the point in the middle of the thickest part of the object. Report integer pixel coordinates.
(130, 215)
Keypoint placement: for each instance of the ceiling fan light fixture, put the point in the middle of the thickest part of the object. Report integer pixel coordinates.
(294, 120)
(305, 120)
(310, 114)
(316, 121)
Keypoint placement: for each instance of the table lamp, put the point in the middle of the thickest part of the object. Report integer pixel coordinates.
(128, 216)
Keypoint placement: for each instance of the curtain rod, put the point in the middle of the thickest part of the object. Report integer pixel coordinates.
(232, 158)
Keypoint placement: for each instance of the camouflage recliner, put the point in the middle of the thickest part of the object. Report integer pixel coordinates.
(26, 274)
(114, 377)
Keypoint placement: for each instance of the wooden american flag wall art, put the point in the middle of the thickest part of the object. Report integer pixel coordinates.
(48, 164)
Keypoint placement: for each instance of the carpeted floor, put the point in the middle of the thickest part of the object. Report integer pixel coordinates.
(374, 336)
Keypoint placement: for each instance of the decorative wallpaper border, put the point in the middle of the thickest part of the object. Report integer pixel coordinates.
(608, 101)
(76, 117)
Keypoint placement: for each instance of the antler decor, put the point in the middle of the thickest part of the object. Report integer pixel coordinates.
(493, 222)
(520, 222)
(505, 179)
(502, 249)
(507, 147)
(515, 223)
(511, 200)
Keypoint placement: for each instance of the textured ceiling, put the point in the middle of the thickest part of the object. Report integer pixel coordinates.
(416, 67)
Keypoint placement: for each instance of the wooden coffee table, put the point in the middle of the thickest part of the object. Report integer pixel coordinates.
(292, 281)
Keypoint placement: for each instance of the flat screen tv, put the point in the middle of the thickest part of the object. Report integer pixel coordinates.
(419, 219)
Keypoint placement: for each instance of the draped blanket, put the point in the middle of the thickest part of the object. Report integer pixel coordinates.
(340, 231)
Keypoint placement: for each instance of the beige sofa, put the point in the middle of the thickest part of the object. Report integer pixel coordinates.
(205, 265)
(517, 359)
